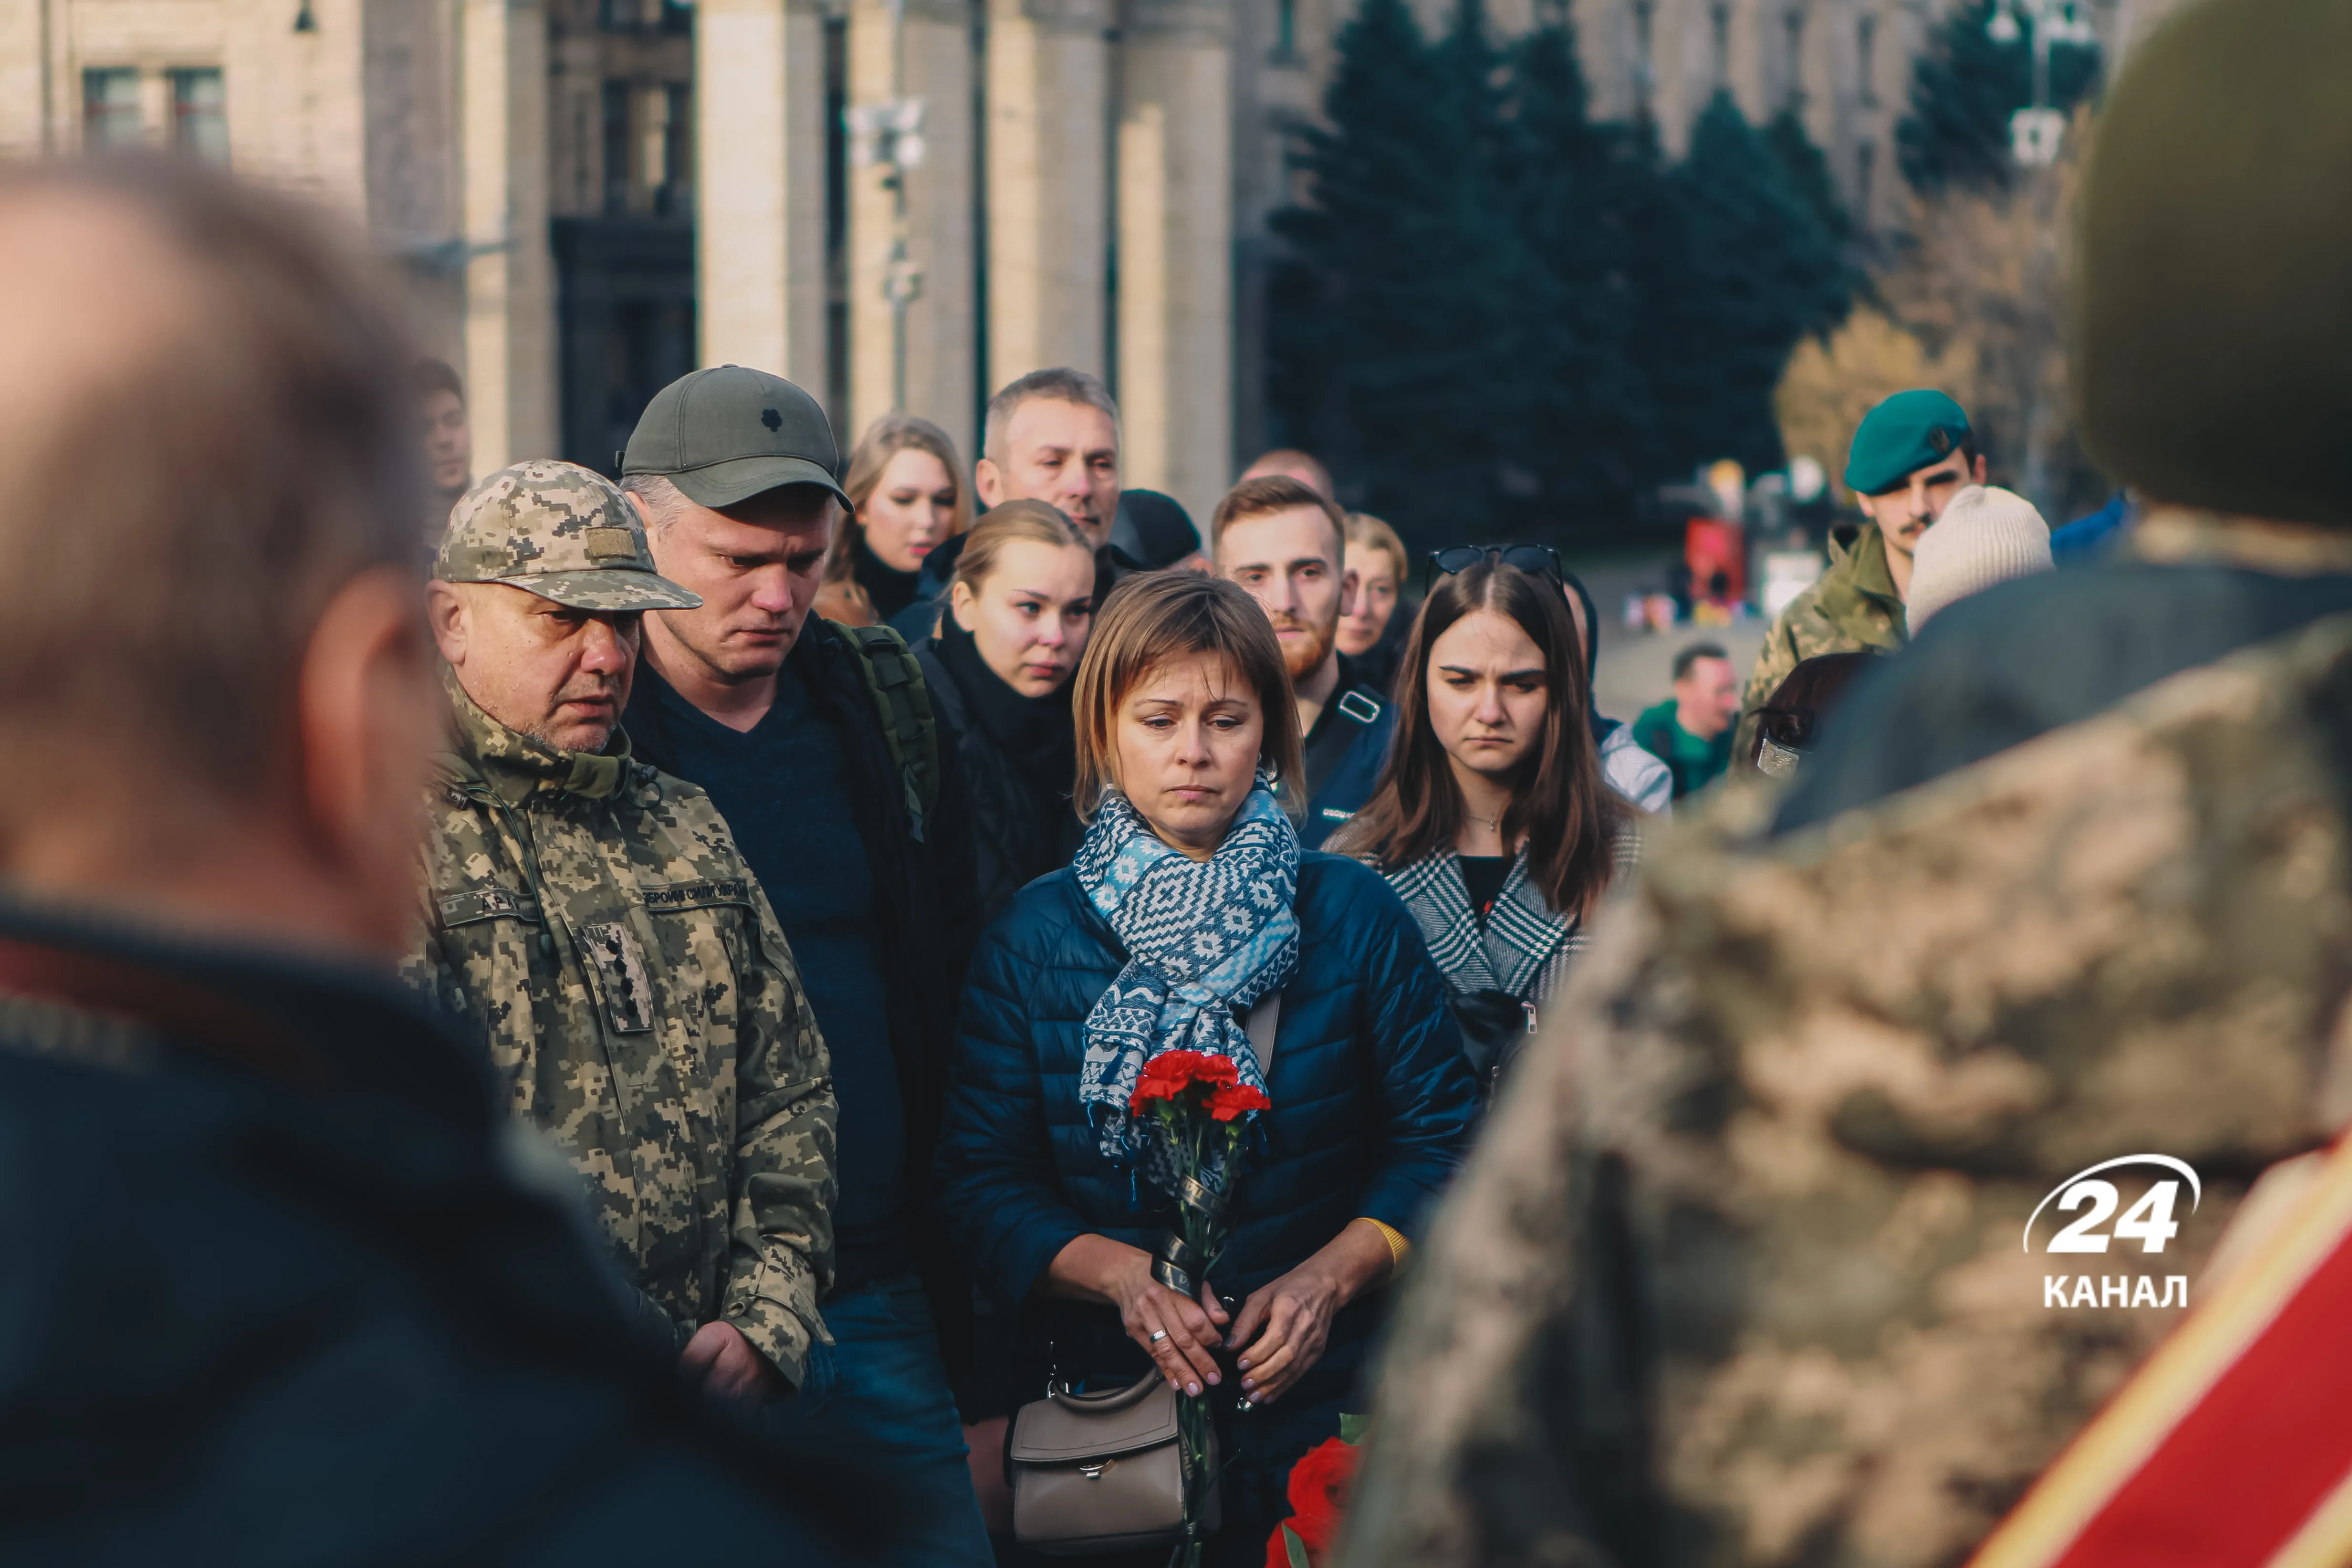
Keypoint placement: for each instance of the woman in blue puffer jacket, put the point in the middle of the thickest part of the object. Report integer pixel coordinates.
(1190, 902)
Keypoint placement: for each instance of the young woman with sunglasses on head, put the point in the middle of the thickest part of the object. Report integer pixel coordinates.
(1492, 821)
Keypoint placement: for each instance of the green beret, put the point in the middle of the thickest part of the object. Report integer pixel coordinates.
(1909, 431)
(2213, 323)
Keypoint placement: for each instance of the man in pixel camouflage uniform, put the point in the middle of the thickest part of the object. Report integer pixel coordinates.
(594, 916)
(1911, 454)
(1743, 1273)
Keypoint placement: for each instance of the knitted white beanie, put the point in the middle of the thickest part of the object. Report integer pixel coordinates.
(1985, 535)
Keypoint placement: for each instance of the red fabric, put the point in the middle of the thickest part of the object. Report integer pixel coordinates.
(2246, 1467)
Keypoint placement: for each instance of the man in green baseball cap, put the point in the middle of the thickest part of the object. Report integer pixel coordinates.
(1911, 454)
(816, 743)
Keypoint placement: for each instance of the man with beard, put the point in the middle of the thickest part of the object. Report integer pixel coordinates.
(1287, 545)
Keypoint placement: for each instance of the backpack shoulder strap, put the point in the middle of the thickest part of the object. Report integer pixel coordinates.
(1264, 1020)
(903, 703)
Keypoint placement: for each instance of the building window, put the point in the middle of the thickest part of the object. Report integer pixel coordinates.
(1285, 31)
(1795, 23)
(676, 197)
(1718, 20)
(1641, 74)
(200, 114)
(616, 148)
(110, 108)
(1865, 49)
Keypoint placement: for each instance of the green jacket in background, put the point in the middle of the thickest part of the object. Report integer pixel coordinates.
(1696, 763)
(1852, 608)
(594, 916)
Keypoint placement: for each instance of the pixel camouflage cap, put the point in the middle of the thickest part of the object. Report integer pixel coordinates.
(559, 530)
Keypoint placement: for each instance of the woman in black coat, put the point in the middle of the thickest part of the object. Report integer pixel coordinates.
(999, 673)
(1188, 904)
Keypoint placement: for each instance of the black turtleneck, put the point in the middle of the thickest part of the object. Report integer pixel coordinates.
(890, 589)
(1037, 734)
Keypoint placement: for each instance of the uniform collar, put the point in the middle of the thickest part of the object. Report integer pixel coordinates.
(2180, 536)
(518, 766)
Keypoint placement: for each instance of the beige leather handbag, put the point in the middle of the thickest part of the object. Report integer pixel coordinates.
(1104, 1472)
(1100, 1472)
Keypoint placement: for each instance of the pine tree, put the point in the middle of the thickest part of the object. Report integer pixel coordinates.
(1808, 171)
(1378, 337)
(1964, 89)
(1578, 411)
(1758, 273)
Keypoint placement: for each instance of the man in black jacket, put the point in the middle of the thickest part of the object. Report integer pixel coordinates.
(281, 1282)
(815, 744)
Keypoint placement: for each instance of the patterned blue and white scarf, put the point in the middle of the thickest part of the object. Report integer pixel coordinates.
(1203, 937)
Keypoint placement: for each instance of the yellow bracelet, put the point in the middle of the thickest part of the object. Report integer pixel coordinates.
(1398, 1245)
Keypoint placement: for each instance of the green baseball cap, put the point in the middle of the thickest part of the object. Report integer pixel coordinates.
(726, 434)
(559, 530)
(1907, 432)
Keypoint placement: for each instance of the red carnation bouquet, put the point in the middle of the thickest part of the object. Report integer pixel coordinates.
(1196, 1103)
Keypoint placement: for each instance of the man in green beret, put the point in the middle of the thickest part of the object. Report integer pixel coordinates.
(1912, 454)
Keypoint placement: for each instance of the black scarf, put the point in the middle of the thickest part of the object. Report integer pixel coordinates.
(890, 589)
(1037, 735)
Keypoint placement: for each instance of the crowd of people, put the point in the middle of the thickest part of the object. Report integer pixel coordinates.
(642, 1035)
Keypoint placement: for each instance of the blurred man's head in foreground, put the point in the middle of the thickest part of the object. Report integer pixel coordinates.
(215, 684)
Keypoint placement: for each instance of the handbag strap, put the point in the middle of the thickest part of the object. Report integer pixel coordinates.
(1109, 1400)
(1260, 1027)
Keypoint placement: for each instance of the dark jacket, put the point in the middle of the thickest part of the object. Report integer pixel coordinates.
(928, 907)
(282, 1288)
(1372, 1106)
(1344, 753)
(1019, 831)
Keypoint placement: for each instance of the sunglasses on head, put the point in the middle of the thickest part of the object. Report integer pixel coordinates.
(1538, 558)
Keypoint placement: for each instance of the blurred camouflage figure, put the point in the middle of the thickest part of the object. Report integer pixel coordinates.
(281, 1285)
(1743, 1274)
(592, 916)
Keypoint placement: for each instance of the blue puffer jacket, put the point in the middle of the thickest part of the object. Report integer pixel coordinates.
(1372, 1107)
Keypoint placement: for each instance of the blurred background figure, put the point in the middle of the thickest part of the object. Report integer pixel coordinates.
(1153, 532)
(1628, 769)
(448, 442)
(1912, 454)
(1987, 535)
(1285, 462)
(1371, 633)
(288, 1287)
(1789, 723)
(999, 675)
(907, 498)
(1492, 820)
(1690, 731)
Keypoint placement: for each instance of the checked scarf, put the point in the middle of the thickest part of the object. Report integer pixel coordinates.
(1203, 937)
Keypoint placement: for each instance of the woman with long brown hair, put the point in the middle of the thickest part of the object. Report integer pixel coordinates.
(1492, 821)
(906, 485)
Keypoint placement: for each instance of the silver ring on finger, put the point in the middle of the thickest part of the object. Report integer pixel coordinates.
(1158, 1335)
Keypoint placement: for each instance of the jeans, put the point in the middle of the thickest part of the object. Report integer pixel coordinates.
(875, 1430)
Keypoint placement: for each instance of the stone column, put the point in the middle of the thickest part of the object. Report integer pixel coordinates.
(1176, 249)
(1048, 185)
(759, 95)
(942, 337)
(509, 279)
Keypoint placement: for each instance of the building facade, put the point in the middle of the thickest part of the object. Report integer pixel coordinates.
(589, 197)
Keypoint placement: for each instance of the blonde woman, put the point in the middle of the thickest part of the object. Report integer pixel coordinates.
(1371, 634)
(999, 672)
(907, 487)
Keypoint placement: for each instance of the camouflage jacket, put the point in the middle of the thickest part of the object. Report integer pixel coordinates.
(1853, 606)
(594, 916)
(1744, 1271)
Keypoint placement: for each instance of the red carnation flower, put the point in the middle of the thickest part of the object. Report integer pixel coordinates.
(1318, 1491)
(1236, 1099)
(1151, 1088)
